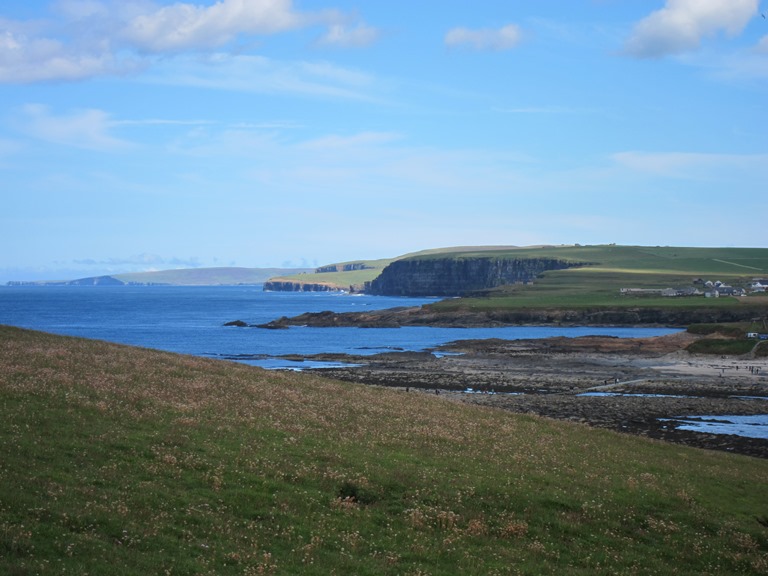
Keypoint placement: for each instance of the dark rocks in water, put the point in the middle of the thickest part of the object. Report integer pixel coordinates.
(287, 286)
(281, 323)
(468, 318)
(238, 323)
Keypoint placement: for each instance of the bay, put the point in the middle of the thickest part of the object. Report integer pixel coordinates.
(189, 320)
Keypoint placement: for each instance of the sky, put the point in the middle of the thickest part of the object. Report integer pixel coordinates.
(147, 135)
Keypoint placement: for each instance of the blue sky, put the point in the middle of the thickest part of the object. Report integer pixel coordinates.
(141, 135)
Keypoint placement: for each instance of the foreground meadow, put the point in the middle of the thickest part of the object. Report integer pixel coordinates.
(118, 460)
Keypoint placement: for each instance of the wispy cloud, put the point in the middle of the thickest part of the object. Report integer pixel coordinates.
(82, 129)
(140, 262)
(681, 25)
(692, 165)
(539, 110)
(343, 36)
(258, 74)
(161, 122)
(762, 45)
(503, 38)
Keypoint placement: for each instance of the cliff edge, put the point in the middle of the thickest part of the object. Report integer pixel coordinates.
(457, 276)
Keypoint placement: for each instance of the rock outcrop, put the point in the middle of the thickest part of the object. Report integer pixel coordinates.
(287, 286)
(467, 318)
(458, 276)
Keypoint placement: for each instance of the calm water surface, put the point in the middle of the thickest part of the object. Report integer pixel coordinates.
(190, 320)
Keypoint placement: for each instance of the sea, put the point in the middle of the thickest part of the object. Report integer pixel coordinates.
(190, 320)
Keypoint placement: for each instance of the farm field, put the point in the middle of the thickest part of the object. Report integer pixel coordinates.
(603, 272)
(612, 268)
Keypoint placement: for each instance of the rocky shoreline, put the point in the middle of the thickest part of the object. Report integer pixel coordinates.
(630, 385)
(429, 315)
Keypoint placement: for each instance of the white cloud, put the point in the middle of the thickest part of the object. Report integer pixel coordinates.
(682, 24)
(84, 129)
(25, 59)
(89, 38)
(343, 36)
(503, 38)
(762, 46)
(183, 26)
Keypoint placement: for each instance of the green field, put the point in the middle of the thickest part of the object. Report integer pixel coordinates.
(604, 271)
(611, 268)
(117, 460)
(728, 262)
(341, 280)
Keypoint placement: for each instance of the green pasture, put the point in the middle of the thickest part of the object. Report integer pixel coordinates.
(729, 262)
(122, 461)
(611, 268)
(343, 280)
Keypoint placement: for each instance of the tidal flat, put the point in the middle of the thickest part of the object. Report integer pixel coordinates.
(643, 386)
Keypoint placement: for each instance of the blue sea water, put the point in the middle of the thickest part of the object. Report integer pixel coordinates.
(748, 426)
(190, 320)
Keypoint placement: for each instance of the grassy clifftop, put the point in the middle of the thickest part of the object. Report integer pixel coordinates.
(117, 460)
(615, 267)
(610, 267)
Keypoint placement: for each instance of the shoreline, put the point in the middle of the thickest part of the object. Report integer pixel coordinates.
(428, 315)
(631, 384)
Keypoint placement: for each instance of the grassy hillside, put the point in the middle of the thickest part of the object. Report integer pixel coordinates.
(662, 259)
(340, 279)
(118, 460)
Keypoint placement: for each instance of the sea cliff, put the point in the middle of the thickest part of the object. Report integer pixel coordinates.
(457, 276)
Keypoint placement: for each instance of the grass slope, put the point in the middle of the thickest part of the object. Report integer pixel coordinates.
(118, 460)
(727, 262)
(341, 280)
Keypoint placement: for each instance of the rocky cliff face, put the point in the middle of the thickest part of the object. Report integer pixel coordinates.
(458, 276)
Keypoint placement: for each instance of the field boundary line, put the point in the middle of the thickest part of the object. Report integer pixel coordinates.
(739, 265)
